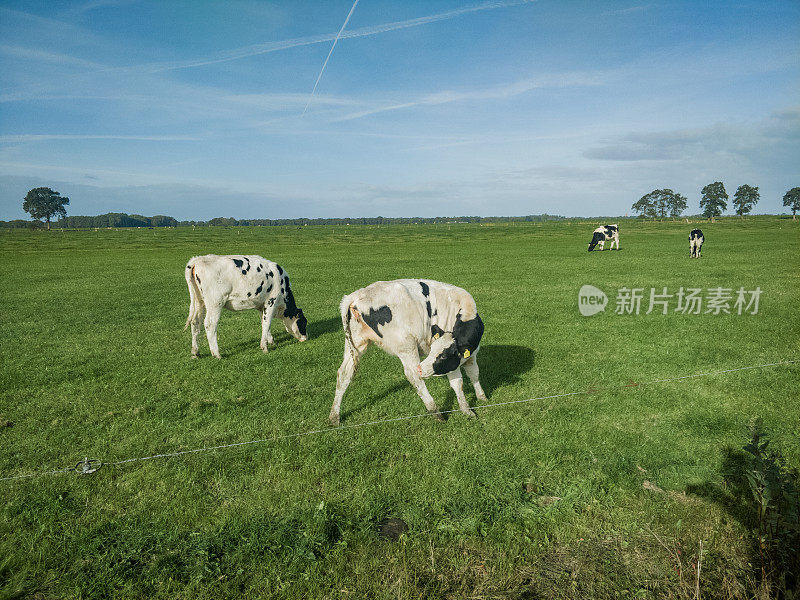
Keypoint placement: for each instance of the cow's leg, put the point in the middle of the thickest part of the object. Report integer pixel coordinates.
(211, 321)
(601, 244)
(471, 368)
(344, 376)
(195, 324)
(410, 363)
(266, 319)
(615, 241)
(456, 382)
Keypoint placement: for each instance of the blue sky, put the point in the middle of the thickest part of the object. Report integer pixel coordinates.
(195, 109)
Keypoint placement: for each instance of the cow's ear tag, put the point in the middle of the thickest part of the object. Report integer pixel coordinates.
(466, 353)
(436, 336)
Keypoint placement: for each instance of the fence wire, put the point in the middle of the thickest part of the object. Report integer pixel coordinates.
(89, 466)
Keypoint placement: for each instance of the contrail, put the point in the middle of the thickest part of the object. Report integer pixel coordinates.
(316, 83)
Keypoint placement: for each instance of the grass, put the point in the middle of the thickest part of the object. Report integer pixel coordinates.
(607, 494)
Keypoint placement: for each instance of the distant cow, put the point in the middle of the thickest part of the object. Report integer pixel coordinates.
(239, 282)
(603, 233)
(695, 243)
(407, 317)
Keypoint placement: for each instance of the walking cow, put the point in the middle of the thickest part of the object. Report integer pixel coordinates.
(239, 282)
(407, 317)
(696, 243)
(603, 233)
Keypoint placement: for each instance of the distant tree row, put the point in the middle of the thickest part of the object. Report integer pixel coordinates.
(125, 220)
(714, 200)
(230, 221)
(117, 220)
(44, 203)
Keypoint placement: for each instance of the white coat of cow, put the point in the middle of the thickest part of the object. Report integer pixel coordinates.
(604, 233)
(407, 317)
(239, 282)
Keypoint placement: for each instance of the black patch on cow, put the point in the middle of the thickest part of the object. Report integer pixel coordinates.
(448, 360)
(428, 307)
(302, 323)
(269, 289)
(188, 266)
(377, 317)
(238, 263)
(291, 310)
(695, 233)
(436, 331)
(610, 229)
(596, 239)
(425, 289)
(271, 301)
(258, 269)
(198, 278)
(467, 334)
(280, 271)
(248, 294)
(260, 287)
(269, 273)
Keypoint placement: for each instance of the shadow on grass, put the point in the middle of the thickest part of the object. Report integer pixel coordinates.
(503, 365)
(315, 330)
(320, 328)
(733, 493)
(500, 365)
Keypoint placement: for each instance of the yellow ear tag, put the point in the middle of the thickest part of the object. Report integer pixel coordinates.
(466, 353)
(436, 337)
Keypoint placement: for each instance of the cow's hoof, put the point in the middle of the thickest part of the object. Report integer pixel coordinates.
(334, 419)
(438, 416)
(469, 413)
(194, 356)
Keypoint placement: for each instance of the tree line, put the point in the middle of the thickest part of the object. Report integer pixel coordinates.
(125, 220)
(45, 204)
(714, 200)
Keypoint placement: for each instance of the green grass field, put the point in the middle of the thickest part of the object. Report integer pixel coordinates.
(542, 499)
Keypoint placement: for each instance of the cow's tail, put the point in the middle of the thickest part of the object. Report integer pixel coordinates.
(344, 310)
(195, 295)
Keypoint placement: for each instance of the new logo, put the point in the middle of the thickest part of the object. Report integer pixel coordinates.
(591, 300)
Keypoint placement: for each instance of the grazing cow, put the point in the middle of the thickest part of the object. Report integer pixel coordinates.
(408, 316)
(695, 242)
(603, 233)
(239, 282)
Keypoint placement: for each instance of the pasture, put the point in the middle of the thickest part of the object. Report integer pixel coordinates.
(597, 495)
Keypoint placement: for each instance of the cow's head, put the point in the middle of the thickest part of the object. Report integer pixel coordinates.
(293, 318)
(443, 357)
(596, 239)
(296, 324)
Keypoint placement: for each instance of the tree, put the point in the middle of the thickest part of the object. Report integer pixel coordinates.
(660, 203)
(646, 205)
(44, 203)
(745, 198)
(676, 204)
(714, 200)
(792, 200)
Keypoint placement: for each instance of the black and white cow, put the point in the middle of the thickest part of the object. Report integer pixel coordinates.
(238, 282)
(695, 242)
(603, 233)
(407, 317)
